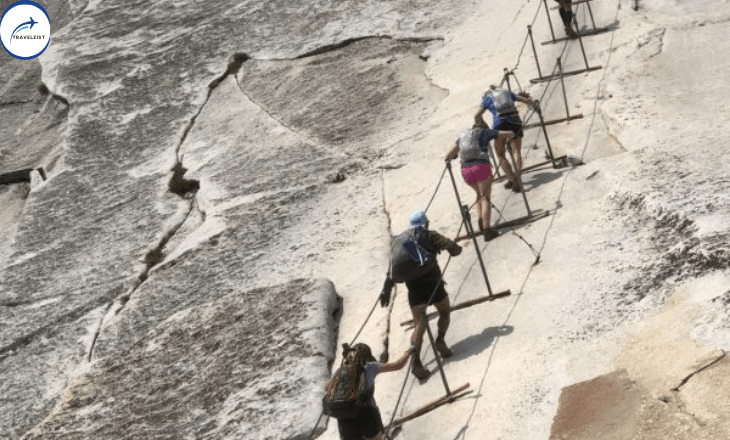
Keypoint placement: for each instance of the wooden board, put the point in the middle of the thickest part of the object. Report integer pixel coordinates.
(572, 72)
(552, 122)
(455, 394)
(536, 215)
(587, 33)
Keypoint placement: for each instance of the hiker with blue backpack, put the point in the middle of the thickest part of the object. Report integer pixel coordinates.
(472, 148)
(349, 396)
(413, 262)
(505, 117)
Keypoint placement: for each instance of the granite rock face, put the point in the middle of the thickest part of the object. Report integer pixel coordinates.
(228, 369)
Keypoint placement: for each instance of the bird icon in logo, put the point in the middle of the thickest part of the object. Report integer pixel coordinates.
(26, 25)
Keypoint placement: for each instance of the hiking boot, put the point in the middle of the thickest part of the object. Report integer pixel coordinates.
(420, 371)
(569, 32)
(443, 349)
(509, 184)
(490, 234)
(517, 187)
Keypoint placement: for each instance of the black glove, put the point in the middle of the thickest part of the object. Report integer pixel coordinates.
(455, 250)
(385, 293)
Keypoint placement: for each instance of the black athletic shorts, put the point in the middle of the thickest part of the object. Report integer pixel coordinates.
(510, 126)
(366, 425)
(421, 289)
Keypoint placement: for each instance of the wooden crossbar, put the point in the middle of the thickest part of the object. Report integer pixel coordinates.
(586, 33)
(536, 215)
(463, 305)
(533, 167)
(552, 122)
(457, 393)
(569, 73)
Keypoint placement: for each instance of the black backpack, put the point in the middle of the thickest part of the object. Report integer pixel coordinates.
(347, 392)
(409, 259)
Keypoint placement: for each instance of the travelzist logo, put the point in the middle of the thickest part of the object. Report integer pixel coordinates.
(25, 29)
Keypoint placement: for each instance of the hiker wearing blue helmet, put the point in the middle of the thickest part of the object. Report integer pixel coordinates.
(413, 262)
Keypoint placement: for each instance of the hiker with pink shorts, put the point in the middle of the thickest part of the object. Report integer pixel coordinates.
(472, 147)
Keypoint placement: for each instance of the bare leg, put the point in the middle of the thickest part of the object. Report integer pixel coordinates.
(503, 162)
(417, 368)
(443, 307)
(477, 189)
(484, 190)
(517, 145)
(419, 329)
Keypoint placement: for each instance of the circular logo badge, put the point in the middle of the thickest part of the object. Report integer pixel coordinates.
(25, 29)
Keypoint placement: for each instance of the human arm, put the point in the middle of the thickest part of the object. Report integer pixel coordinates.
(453, 151)
(399, 364)
(442, 243)
(526, 99)
(385, 293)
(478, 115)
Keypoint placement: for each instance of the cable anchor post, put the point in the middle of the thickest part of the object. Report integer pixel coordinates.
(469, 229)
(534, 51)
(562, 84)
(550, 22)
(538, 110)
(424, 321)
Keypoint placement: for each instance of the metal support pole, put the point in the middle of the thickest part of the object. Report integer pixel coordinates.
(580, 41)
(534, 51)
(518, 174)
(590, 12)
(550, 22)
(562, 83)
(544, 132)
(469, 229)
(506, 79)
(424, 321)
(495, 165)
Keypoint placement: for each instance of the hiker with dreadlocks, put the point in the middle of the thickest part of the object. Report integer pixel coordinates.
(566, 15)
(358, 416)
(472, 147)
(505, 117)
(413, 262)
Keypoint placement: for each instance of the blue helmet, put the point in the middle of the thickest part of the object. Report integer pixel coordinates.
(418, 220)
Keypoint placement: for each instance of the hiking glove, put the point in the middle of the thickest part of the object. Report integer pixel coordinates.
(455, 250)
(385, 293)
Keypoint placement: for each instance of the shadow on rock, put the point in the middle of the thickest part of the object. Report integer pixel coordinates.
(476, 344)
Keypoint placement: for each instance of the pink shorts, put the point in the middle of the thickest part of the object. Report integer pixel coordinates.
(476, 173)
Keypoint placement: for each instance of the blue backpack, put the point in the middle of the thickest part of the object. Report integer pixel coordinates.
(409, 259)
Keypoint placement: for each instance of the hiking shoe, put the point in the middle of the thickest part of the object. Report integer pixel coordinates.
(570, 32)
(490, 234)
(517, 187)
(420, 371)
(443, 349)
(509, 184)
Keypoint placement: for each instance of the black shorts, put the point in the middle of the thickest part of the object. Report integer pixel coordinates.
(366, 425)
(510, 126)
(421, 289)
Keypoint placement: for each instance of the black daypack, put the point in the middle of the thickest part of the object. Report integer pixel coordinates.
(409, 259)
(346, 393)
